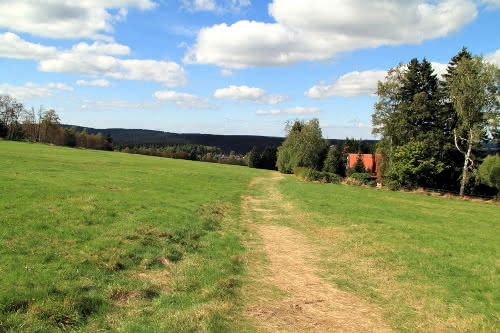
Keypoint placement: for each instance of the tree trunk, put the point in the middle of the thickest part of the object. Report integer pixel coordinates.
(467, 163)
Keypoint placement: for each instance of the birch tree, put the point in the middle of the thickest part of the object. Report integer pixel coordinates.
(474, 92)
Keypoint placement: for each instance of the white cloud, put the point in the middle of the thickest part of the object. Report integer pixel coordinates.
(101, 48)
(95, 83)
(320, 29)
(298, 110)
(95, 60)
(359, 83)
(12, 46)
(28, 91)
(350, 84)
(248, 94)
(226, 72)
(182, 100)
(439, 69)
(493, 57)
(60, 86)
(67, 19)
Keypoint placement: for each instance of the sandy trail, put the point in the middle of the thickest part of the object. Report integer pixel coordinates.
(307, 303)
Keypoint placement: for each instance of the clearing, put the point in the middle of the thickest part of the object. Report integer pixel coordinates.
(102, 241)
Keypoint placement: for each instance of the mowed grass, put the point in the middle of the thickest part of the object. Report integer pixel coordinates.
(102, 241)
(431, 264)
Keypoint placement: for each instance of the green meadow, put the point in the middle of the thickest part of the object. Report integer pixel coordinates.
(430, 263)
(94, 241)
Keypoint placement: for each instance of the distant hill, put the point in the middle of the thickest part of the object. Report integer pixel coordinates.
(240, 144)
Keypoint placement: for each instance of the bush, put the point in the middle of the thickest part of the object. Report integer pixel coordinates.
(489, 171)
(314, 175)
(359, 179)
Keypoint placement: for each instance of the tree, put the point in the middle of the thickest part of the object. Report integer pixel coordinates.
(69, 137)
(489, 171)
(49, 125)
(303, 147)
(414, 106)
(11, 113)
(254, 158)
(359, 167)
(474, 92)
(268, 158)
(414, 164)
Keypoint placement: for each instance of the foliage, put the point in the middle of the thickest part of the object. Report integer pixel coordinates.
(415, 106)
(474, 92)
(489, 171)
(414, 165)
(268, 158)
(254, 160)
(335, 161)
(315, 175)
(351, 145)
(359, 167)
(303, 147)
(362, 177)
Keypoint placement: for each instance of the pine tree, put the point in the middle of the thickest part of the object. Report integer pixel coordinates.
(360, 165)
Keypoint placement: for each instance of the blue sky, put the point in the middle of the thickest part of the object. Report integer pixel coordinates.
(227, 66)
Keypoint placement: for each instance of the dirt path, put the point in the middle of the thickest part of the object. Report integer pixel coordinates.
(287, 295)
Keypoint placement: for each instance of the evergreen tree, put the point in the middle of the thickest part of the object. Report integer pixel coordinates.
(359, 166)
(268, 158)
(254, 158)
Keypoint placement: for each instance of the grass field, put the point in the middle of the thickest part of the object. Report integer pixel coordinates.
(430, 263)
(93, 240)
(96, 241)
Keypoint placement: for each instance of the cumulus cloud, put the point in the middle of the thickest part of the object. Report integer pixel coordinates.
(182, 100)
(493, 57)
(95, 83)
(249, 94)
(358, 83)
(170, 74)
(96, 59)
(298, 110)
(67, 19)
(320, 29)
(348, 85)
(12, 46)
(28, 91)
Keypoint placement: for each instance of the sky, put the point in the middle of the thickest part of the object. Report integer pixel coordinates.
(228, 66)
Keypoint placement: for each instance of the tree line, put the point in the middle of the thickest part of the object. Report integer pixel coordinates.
(192, 152)
(432, 129)
(20, 123)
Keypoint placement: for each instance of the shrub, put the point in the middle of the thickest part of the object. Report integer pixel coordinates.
(314, 175)
(359, 179)
(489, 171)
